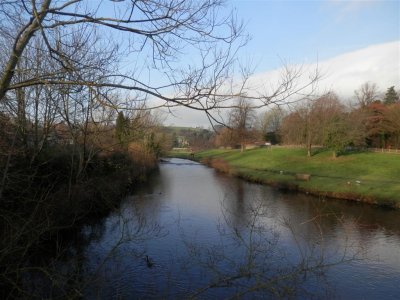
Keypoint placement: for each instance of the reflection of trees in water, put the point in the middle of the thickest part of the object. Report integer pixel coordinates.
(91, 258)
(360, 219)
(246, 260)
(254, 255)
(56, 272)
(121, 252)
(157, 183)
(237, 194)
(237, 203)
(250, 261)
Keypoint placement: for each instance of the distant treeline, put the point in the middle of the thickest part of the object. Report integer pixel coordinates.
(372, 120)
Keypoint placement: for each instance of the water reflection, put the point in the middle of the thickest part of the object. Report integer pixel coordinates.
(212, 236)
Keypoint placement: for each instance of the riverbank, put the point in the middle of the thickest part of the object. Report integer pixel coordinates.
(365, 177)
(43, 222)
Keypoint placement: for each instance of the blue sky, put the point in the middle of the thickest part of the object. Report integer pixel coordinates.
(352, 41)
(304, 31)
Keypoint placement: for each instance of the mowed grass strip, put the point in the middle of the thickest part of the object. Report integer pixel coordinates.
(367, 176)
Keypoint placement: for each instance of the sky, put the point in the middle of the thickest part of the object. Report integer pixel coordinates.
(352, 41)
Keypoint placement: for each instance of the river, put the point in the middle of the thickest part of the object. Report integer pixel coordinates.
(191, 232)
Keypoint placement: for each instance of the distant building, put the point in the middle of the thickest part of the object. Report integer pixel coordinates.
(182, 142)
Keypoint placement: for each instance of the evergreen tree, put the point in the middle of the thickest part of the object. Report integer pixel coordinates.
(336, 136)
(391, 96)
(122, 128)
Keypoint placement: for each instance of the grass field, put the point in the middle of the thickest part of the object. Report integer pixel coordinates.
(368, 177)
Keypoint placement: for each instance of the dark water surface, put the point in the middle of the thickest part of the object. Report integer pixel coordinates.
(193, 233)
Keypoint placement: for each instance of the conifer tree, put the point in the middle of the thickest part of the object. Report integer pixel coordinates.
(122, 128)
(391, 96)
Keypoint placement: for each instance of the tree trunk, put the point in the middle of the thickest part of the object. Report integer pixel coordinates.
(19, 46)
(6, 167)
(309, 150)
(21, 116)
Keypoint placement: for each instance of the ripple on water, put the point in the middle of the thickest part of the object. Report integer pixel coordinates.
(188, 201)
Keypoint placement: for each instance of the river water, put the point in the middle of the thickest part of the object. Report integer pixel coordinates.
(191, 232)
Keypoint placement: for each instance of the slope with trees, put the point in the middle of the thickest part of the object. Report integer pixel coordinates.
(325, 121)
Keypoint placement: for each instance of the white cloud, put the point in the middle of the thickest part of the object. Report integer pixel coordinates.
(343, 74)
(379, 64)
(183, 116)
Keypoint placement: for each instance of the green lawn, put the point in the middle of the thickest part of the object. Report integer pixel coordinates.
(378, 173)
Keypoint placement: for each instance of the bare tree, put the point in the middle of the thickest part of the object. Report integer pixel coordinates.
(366, 94)
(391, 122)
(157, 33)
(291, 128)
(242, 122)
(67, 66)
(308, 124)
(253, 273)
(270, 122)
(162, 27)
(225, 138)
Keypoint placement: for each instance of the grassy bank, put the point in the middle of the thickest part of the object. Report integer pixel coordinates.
(367, 177)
